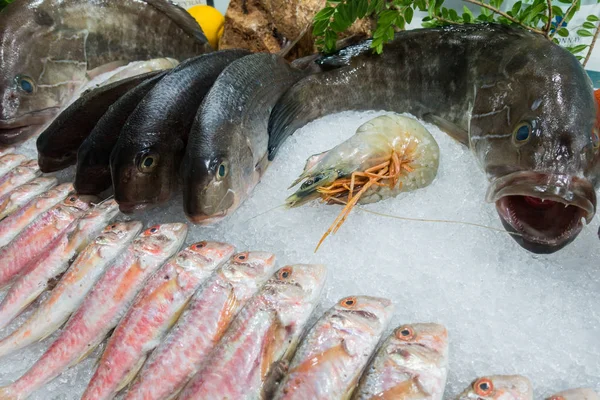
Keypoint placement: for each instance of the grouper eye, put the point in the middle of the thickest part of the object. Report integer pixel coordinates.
(522, 133)
(25, 84)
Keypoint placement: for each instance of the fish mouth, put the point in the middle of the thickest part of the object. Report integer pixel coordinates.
(544, 212)
(53, 164)
(19, 129)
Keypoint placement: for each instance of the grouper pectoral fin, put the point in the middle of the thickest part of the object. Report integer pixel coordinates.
(454, 131)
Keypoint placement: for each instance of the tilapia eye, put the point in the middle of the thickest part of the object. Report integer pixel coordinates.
(284, 273)
(522, 133)
(148, 162)
(242, 257)
(348, 302)
(222, 170)
(25, 84)
(405, 333)
(483, 387)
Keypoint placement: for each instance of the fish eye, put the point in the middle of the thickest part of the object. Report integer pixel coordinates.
(25, 84)
(348, 302)
(72, 199)
(113, 226)
(242, 257)
(148, 162)
(222, 170)
(284, 273)
(152, 230)
(522, 133)
(483, 386)
(405, 333)
(200, 245)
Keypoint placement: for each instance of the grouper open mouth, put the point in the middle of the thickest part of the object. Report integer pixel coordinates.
(546, 212)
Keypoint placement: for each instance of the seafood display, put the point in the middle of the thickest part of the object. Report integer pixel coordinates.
(50, 49)
(538, 150)
(152, 142)
(129, 101)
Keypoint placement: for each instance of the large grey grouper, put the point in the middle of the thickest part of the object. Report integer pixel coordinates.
(50, 48)
(522, 104)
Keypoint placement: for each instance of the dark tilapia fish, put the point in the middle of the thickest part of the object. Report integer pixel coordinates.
(227, 150)
(146, 157)
(522, 104)
(57, 146)
(50, 48)
(93, 156)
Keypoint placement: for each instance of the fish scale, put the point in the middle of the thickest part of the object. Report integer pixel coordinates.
(18, 176)
(335, 351)
(16, 200)
(103, 307)
(158, 130)
(9, 161)
(29, 286)
(201, 326)
(40, 236)
(155, 310)
(263, 336)
(74, 285)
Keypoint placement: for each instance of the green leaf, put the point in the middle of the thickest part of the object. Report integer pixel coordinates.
(431, 9)
(516, 7)
(584, 33)
(422, 5)
(589, 25)
(467, 11)
(375, 6)
(445, 13)
(556, 10)
(453, 15)
(320, 27)
(387, 17)
(467, 18)
(593, 18)
(362, 6)
(535, 11)
(324, 14)
(563, 32)
(330, 40)
(408, 15)
(569, 2)
(577, 49)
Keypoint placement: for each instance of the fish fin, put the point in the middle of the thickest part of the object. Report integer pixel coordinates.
(454, 131)
(182, 18)
(278, 372)
(86, 354)
(131, 374)
(226, 312)
(262, 165)
(271, 341)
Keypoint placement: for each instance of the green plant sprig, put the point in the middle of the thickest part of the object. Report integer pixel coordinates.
(393, 15)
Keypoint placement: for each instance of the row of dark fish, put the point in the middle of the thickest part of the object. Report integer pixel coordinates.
(202, 322)
(226, 114)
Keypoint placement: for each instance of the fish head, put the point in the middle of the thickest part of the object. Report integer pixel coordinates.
(144, 173)
(80, 202)
(533, 130)
(41, 67)
(427, 335)
(211, 252)
(499, 387)
(298, 284)
(250, 265)
(119, 232)
(162, 240)
(575, 394)
(106, 210)
(218, 178)
(366, 313)
(92, 173)
(12, 159)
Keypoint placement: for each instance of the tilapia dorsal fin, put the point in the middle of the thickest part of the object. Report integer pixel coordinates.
(454, 131)
(131, 374)
(182, 18)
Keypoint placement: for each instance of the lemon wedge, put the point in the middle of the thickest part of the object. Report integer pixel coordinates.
(210, 20)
